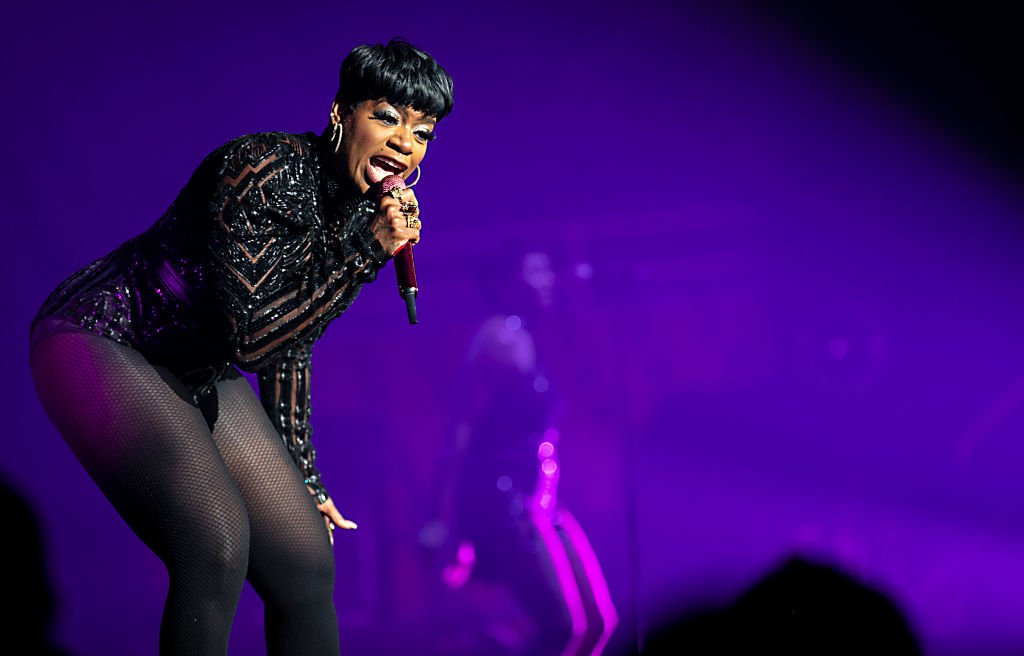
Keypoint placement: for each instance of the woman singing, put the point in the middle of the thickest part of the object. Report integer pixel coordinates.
(135, 357)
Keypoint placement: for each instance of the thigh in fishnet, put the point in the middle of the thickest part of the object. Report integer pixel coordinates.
(291, 563)
(152, 455)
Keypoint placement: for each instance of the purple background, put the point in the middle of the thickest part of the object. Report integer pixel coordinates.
(801, 333)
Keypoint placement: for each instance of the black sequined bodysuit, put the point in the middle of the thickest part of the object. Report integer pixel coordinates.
(262, 248)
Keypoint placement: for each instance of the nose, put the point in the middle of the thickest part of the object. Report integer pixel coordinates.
(401, 140)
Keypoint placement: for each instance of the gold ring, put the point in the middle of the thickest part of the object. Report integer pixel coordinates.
(413, 222)
(396, 192)
(411, 210)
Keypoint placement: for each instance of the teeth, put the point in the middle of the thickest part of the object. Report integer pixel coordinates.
(379, 168)
(388, 164)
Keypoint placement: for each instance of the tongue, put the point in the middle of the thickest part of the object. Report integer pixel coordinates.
(375, 173)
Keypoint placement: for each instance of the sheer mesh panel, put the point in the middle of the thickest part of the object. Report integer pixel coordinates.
(212, 507)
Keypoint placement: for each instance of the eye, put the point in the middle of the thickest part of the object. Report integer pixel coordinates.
(425, 135)
(387, 117)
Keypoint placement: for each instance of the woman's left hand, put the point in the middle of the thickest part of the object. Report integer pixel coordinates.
(333, 518)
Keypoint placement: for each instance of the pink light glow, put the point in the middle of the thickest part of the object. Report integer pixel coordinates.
(595, 576)
(456, 574)
(563, 572)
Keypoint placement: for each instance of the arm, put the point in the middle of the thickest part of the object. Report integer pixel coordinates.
(280, 275)
(284, 392)
(274, 279)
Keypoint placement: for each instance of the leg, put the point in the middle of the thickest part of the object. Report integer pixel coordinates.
(527, 559)
(568, 586)
(152, 455)
(597, 601)
(291, 563)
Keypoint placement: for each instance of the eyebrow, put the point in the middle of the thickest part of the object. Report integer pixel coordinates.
(425, 119)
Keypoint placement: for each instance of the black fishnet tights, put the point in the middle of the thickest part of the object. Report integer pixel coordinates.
(217, 507)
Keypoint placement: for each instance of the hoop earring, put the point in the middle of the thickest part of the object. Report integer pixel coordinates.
(336, 131)
(417, 180)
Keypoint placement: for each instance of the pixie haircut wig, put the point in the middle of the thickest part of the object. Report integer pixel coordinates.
(400, 72)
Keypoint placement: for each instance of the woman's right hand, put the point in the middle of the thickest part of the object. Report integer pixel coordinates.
(390, 226)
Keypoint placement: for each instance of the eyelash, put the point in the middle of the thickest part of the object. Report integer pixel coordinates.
(390, 119)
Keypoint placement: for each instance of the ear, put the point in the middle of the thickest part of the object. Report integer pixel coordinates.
(336, 116)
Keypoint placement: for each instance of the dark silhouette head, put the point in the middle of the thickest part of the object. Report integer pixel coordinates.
(799, 608)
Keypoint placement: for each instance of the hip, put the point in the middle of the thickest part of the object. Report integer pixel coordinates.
(117, 297)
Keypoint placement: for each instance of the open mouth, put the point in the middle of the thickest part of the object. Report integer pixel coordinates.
(379, 168)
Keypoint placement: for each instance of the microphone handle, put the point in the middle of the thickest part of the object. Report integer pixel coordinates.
(405, 267)
(405, 271)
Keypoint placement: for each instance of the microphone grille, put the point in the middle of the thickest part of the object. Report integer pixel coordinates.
(391, 182)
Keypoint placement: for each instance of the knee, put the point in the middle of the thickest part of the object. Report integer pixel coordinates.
(230, 555)
(295, 578)
(601, 624)
(315, 565)
(218, 558)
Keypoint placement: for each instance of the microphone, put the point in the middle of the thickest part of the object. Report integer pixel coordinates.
(405, 266)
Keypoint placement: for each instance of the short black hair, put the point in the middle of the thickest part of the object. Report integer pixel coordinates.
(398, 71)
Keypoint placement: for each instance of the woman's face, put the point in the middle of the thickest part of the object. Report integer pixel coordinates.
(380, 139)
